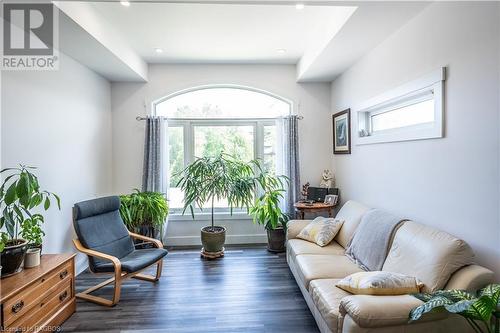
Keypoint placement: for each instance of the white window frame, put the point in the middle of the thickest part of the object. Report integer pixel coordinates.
(188, 125)
(429, 87)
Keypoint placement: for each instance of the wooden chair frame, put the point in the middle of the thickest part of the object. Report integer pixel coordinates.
(119, 276)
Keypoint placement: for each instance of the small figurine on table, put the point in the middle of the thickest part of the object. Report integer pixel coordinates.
(326, 179)
(305, 191)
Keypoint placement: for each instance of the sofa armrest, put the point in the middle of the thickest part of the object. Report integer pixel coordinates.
(471, 278)
(379, 311)
(294, 227)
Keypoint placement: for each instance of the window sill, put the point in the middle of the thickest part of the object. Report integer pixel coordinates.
(174, 217)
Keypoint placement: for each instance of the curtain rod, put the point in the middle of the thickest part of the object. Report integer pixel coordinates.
(138, 118)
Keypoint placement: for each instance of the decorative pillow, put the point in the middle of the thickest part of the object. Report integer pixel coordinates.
(321, 230)
(380, 283)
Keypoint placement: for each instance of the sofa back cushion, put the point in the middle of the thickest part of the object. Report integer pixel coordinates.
(351, 212)
(428, 254)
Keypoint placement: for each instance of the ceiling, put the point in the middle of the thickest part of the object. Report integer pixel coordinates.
(322, 39)
(221, 33)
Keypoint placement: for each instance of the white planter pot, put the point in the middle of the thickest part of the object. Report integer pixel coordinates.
(32, 258)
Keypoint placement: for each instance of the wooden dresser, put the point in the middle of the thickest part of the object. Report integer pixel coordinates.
(39, 298)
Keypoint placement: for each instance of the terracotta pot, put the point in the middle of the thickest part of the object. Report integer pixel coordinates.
(213, 239)
(12, 257)
(276, 240)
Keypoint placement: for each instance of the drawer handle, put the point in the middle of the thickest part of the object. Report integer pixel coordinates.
(17, 307)
(63, 296)
(63, 274)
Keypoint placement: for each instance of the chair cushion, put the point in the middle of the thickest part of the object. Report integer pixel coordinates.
(428, 254)
(351, 212)
(134, 261)
(327, 299)
(311, 267)
(299, 246)
(99, 227)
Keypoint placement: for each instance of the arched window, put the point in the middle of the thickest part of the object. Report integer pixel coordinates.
(205, 121)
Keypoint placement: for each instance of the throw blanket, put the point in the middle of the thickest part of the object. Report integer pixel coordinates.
(370, 244)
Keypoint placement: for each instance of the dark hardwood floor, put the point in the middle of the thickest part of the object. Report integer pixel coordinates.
(249, 290)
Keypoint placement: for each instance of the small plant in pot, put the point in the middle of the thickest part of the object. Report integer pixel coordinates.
(144, 213)
(209, 179)
(267, 212)
(20, 196)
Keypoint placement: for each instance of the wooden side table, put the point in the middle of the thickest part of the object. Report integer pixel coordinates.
(301, 208)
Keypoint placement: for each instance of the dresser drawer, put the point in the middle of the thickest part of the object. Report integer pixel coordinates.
(59, 295)
(33, 295)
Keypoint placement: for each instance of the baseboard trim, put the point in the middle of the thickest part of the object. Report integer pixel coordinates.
(230, 239)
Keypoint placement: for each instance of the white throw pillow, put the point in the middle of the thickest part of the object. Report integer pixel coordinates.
(321, 230)
(379, 283)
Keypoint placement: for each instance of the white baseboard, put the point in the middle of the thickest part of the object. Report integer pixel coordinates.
(230, 239)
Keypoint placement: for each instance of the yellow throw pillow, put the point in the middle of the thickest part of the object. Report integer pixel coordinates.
(380, 283)
(321, 230)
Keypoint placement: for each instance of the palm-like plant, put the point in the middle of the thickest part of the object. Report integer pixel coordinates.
(215, 178)
(481, 311)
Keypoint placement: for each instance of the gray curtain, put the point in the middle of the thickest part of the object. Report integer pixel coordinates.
(154, 169)
(291, 161)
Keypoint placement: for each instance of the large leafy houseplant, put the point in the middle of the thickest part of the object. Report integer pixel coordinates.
(481, 310)
(267, 212)
(144, 210)
(20, 199)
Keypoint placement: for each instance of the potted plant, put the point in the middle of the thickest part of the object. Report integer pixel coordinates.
(20, 194)
(144, 212)
(215, 178)
(481, 310)
(267, 212)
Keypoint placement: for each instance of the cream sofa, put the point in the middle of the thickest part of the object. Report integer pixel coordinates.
(438, 259)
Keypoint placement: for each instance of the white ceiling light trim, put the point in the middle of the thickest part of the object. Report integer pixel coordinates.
(299, 6)
(125, 3)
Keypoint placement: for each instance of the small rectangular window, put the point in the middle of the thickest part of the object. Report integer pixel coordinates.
(413, 111)
(403, 116)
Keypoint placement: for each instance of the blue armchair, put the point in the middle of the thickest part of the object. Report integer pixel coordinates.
(103, 237)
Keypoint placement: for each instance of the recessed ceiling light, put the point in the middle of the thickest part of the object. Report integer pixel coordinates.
(158, 50)
(299, 6)
(125, 3)
(281, 51)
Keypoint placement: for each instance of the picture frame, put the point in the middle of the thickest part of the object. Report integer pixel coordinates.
(331, 199)
(342, 132)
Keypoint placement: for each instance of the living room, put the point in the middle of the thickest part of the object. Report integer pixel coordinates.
(373, 125)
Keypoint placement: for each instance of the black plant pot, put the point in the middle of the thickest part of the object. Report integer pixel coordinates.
(12, 257)
(276, 240)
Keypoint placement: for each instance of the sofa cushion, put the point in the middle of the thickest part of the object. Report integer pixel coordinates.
(351, 212)
(327, 299)
(311, 267)
(299, 246)
(429, 254)
(294, 227)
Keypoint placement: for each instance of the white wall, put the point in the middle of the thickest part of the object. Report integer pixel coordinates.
(60, 122)
(450, 183)
(312, 100)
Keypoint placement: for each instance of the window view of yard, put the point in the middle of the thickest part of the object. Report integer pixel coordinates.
(207, 122)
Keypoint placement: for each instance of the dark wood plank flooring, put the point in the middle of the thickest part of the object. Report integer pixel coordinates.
(249, 290)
